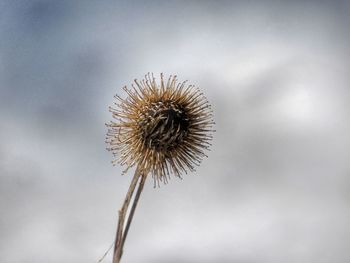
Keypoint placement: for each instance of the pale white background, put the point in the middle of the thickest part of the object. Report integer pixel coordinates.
(275, 187)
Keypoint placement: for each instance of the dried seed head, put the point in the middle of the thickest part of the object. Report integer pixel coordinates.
(164, 128)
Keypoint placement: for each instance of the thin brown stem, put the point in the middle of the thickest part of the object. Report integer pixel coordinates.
(122, 214)
(132, 211)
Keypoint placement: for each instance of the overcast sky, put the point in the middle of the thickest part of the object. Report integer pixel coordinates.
(275, 187)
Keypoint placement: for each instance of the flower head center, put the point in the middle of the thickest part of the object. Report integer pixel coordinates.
(165, 126)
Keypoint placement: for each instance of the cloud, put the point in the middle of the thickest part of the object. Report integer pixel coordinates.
(275, 185)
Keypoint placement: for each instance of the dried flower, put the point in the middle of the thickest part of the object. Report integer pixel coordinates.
(164, 129)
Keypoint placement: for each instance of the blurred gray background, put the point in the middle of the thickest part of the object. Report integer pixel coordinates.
(275, 187)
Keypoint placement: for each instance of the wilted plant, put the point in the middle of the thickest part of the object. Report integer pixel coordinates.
(162, 129)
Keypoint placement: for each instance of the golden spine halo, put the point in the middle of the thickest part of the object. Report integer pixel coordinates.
(163, 128)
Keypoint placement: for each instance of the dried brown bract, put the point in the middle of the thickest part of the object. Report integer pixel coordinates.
(163, 128)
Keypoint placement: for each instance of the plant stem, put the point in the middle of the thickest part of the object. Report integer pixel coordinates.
(121, 231)
(133, 208)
